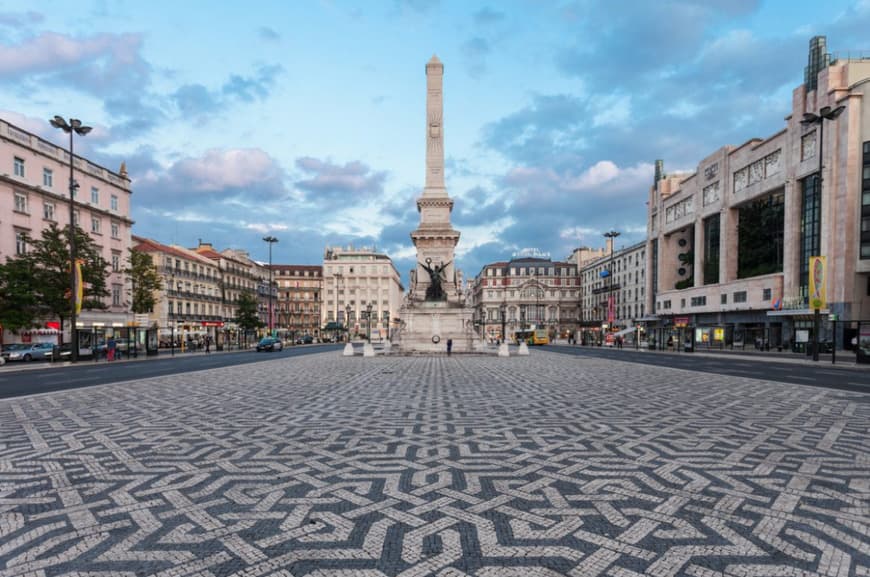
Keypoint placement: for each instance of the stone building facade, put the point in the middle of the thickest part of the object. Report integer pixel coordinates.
(353, 279)
(729, 245)
(299, 292)
(533, 291)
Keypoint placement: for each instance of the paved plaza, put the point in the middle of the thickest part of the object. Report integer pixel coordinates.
(545, 465)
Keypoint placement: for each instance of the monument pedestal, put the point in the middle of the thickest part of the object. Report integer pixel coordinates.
(428, 325)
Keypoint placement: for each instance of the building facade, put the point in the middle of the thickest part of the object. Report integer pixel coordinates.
(299, 290)
(534, 292)
(729, 245)
(34, 194)
(622, 276)
(190, 306)
(362, 292)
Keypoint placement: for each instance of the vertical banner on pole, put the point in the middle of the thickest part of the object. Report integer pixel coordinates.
(818, 282)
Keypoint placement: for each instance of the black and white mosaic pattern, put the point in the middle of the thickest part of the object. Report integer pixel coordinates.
(535, 466)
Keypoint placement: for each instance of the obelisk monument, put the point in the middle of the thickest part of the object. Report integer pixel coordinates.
(434, 310)
(435, 238)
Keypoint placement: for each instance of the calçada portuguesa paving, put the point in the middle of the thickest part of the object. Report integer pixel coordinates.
(529, 466)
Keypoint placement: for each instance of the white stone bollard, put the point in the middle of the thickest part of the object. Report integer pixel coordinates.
(348, 349)
(368, 349)
(524, 349)
(503, 350)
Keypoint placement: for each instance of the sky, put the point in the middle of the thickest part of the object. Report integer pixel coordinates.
(305, 120)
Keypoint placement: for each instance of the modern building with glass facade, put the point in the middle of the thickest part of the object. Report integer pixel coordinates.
(729, 245)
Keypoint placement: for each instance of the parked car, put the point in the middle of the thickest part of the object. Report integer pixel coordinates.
(7, 350)
(29, 352)
(307, 340)
(270, 344)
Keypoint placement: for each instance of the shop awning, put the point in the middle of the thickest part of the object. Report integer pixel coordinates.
(799, 314)
(648, 319)
(333, 326)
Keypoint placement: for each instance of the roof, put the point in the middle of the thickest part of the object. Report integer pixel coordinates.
(152, 246)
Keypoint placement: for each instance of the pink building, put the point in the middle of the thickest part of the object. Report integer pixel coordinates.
(34, 192)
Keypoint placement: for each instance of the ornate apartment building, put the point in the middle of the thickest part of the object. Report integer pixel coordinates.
(729, 245)
(354, 281)
(190, 304)
(34, 193)
(533, 291)
(299, 291)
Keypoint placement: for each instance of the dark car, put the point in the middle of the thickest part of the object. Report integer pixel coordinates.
(307, 340)
(270, 344)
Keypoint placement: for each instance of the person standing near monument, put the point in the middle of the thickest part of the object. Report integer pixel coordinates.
(449, 346)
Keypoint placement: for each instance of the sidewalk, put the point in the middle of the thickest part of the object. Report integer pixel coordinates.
(845, 359)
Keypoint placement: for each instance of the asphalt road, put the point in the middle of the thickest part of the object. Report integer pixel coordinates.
(44, 379)
(846, 378)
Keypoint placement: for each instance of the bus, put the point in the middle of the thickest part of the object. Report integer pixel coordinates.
(533, 336)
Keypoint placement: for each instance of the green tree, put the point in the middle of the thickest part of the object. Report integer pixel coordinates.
(18, 306)
(48, 261)
(247, 316)
(145, 281)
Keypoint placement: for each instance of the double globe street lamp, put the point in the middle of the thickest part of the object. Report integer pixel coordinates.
(271, 240)
(73, 126)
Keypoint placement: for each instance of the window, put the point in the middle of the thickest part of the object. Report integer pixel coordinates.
(20, 242)
(19, 167)
(865, 204)
(810, 229)
(723, 298)
(740, 297)
(116, 262)
(116, 295)
(95, 225)
(95, 196)
(116, 230)
(699, 301)
(47, 178)
(171, 308)
(667, 304)
(76, 218)
(20, 202)
(113, 202)
(765, 294)
(48, 210)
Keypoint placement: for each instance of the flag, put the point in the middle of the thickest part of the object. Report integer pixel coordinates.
(79, 292)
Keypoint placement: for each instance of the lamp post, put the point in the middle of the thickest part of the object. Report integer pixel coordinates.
(502, 312)
(347, 319)
(271, 240)
(611, 236)
(825, 113)
(74, 126)
(369, 322)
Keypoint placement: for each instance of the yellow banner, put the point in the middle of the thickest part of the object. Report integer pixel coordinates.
(80, 291)
(818, 282)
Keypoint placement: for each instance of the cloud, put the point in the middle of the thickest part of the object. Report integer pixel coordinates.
(486, 16)
(235, 169)
(475, 51)
(19, 20)
(268, 33)
(354, 180)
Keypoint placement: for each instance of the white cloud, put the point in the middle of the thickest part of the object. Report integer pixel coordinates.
(232, 168)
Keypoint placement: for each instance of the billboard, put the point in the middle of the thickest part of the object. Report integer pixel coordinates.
(818, 282)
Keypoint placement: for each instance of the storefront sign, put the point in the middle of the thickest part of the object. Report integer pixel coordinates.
(802, 336)
(681, 321)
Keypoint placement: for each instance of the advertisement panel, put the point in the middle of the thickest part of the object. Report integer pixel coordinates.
(818, 282)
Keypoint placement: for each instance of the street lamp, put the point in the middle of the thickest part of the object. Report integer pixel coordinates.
(347, 319)
(271, 240)
(502, 311)
(369, 322)
(825, 113)
(611, 236)
(74, 126)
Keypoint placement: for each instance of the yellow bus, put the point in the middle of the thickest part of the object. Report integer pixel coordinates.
(533, 337)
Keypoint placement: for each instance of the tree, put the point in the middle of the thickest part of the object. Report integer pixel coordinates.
(246, 316)
(145, 280)
(48, 262)
(18, 305)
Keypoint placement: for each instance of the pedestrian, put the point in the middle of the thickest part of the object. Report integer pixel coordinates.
(619, 342)
(110, 349)
(207, 345)
(449, 346)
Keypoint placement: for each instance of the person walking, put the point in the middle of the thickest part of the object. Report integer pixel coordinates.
(207, 345)
(110, 349)
(449, 346)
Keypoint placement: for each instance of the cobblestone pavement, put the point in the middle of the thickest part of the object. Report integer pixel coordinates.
(465, 466)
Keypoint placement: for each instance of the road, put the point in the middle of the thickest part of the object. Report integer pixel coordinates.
(45, 379)
(797, 371)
